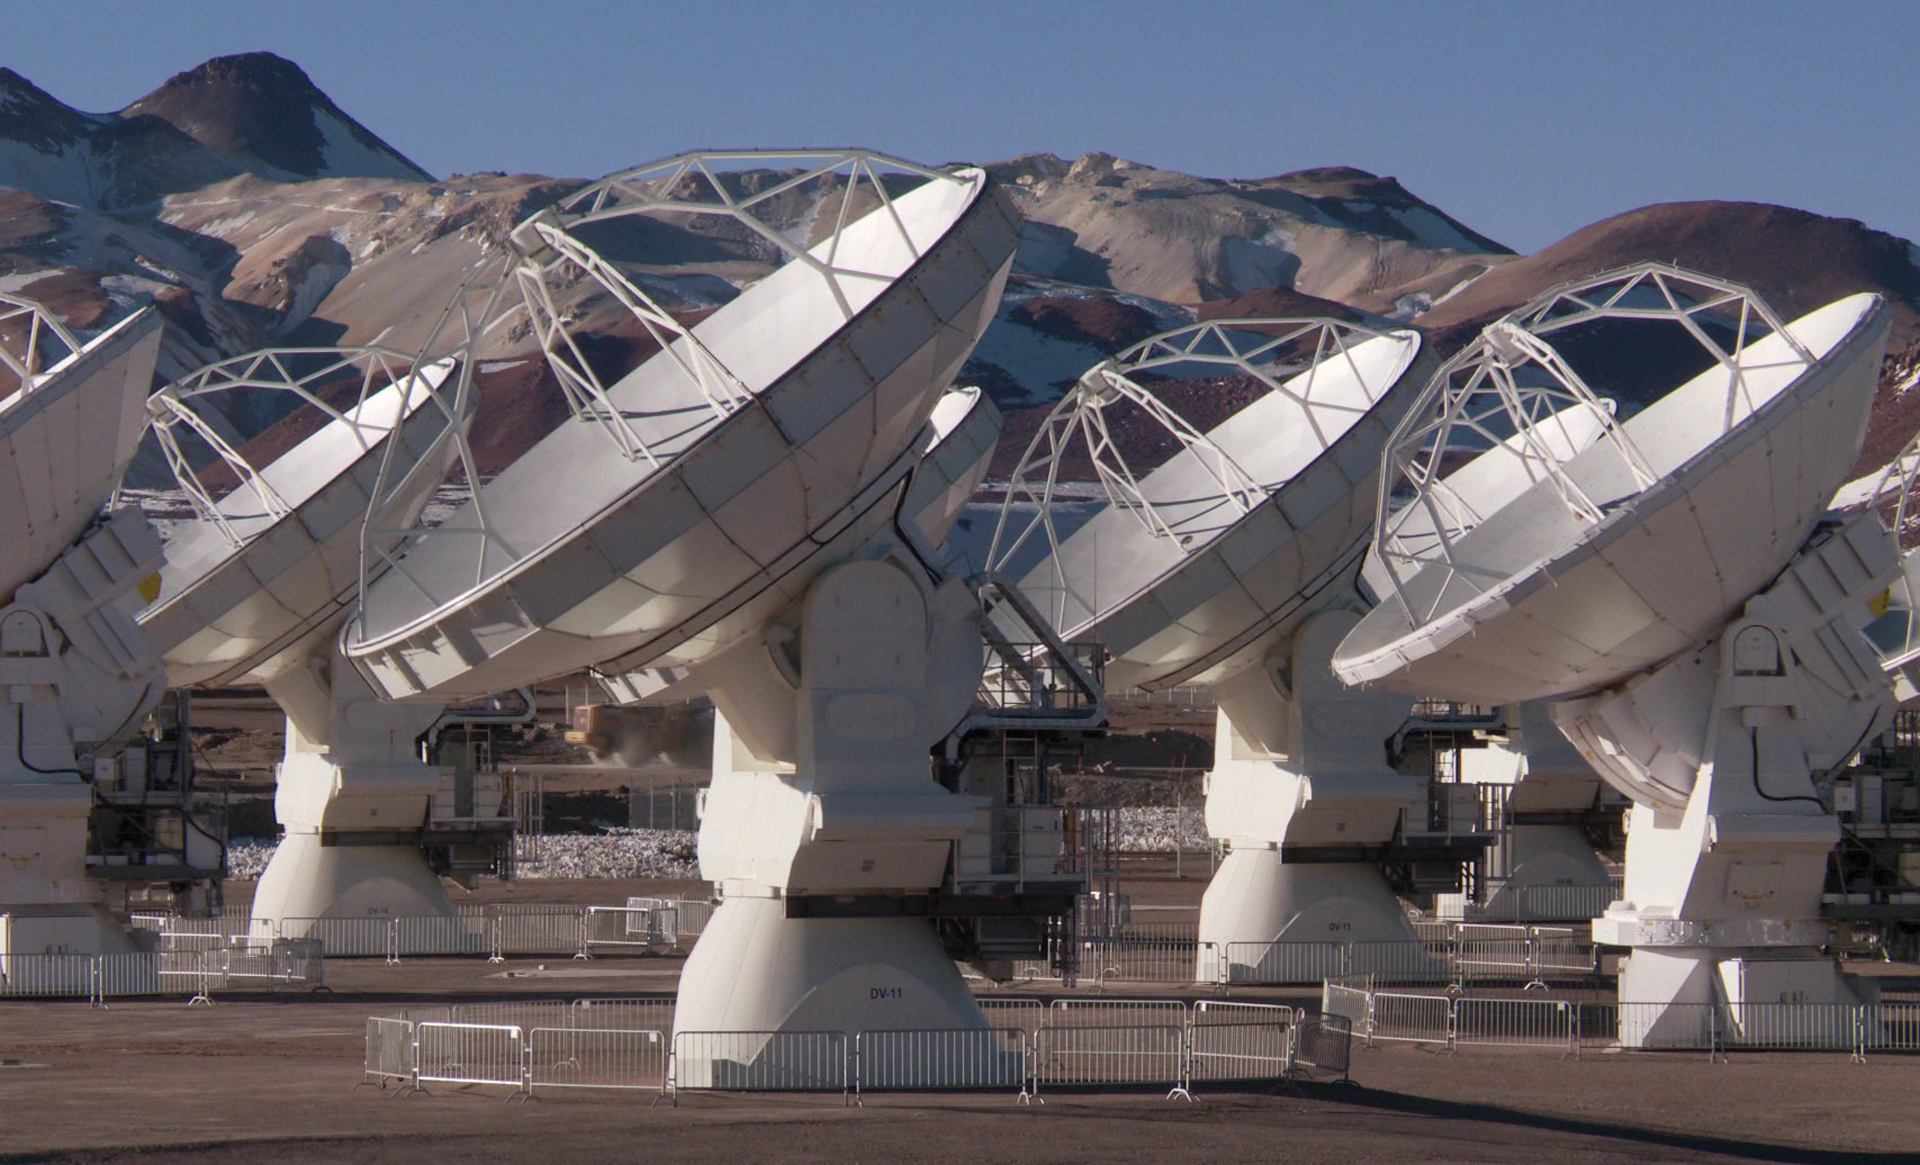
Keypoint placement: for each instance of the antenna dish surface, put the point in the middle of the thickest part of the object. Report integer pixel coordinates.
(717, 469)
(265, 567)
(1581, 562)
(1185, 570)
(70, 421)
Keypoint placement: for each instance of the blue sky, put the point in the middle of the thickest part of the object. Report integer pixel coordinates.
(1524, 120)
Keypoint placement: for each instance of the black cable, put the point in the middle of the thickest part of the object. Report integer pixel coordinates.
(20, 749)
(1754, 734)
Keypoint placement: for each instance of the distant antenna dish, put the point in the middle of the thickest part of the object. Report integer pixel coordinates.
(1234, 562)
(259, 579)
(728, 516)
(77, 674)
(1671, 584)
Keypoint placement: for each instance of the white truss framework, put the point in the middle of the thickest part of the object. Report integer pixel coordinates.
(687, 187)
(1292, 357)
(33, 343)
(1511, 394)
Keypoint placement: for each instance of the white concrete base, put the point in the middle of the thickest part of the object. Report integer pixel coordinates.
(756, 971)
(1256, 900)
(1678, 997)
(306, 880)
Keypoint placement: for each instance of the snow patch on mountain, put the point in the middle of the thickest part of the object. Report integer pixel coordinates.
(1268, 261)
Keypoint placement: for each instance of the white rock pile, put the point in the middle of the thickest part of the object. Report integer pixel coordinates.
(669, 853)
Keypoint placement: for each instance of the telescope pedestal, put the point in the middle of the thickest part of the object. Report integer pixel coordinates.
(351, 796)
(77, 675)
(1727, 843)
(757, 971)
(814, 859)
(1299, 783)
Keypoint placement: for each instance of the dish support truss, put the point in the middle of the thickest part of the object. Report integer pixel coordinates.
(33, 343)
(1727, 845)
(1281, 790)
(693, 188)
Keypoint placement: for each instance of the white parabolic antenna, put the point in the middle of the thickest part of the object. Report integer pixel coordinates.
(1234, 563)
(77, 673)
(699, 513)
(259, 579)
(1670, 585)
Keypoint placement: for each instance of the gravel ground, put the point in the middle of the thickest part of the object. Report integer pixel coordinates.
(669, 853)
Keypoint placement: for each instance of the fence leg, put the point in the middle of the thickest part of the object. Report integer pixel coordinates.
(1860, 1034)
(1453, 1025)
(581, 955)
(393, 941)
(495, 947)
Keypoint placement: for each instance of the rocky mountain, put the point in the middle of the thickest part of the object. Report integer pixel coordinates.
(251, 209)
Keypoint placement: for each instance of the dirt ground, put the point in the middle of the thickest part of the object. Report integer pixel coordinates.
(264, 1077)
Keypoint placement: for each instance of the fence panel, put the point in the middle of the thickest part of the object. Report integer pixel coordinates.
(1322, 1047)
(1075, 1056)
(139, 973)
(1543, 1023)
(438, 935)
(389, 1051)
(1239, 1041)
(469, 1053)
(1116, 1013)
(692, 916)
(766, 1061)
(632, 1013)
(634, 928)
(1666, 1025)
(523, 1014)
(1139, 960)
(1890, 1027)
(340, 938)
(929, 1059)
(1421, 1019)
(596, 1058)
(47, 976)
(1790, 1026)
(1401, 961)
(537, 930)
(1288, 962)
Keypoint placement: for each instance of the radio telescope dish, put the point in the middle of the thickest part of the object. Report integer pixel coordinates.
(1235, 563)
(1643, 544)
(728, 516)
(714, 468)
(1673, 586)
(77, 673)
(259, 579)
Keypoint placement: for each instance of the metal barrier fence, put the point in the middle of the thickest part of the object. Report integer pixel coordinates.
(1112, 1055)
(469, 1053)
(652, 927)
(952, 1058)
(1239, 1041)
(496, 930)
(48, 976)
(1454, 1021)
(1322, 1048)
(389, 1054)
(622, 1044)
(765, 1061)
(573, 1057)
(194, 972)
